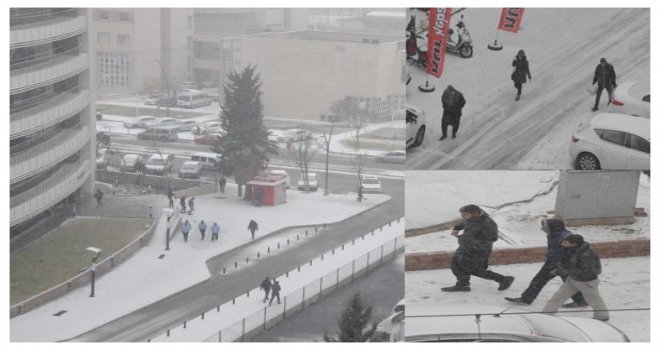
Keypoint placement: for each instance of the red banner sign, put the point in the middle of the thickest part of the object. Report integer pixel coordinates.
(511, 19)
(437, 46)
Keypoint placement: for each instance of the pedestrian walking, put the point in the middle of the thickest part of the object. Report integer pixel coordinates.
(215, 231)
(182, 201)
(360, 193)
(202, 228)
(170, 196)
(222, 182)
(474, 248)
(185, 229)
(606, 79)
(521, 73)
(581, 268)
(191, 205)
(556, 232)
(265, 286)
(115, 185)
(150, 213)
(98, 195)
(253, 226)
(275, 291)
(452, 105)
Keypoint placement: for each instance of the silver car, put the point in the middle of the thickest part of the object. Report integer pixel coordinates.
(415, 126)
(478, 323)
(392, 157)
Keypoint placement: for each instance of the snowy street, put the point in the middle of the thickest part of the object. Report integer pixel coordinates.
(563, 47)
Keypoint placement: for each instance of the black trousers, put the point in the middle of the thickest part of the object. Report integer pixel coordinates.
(272, 297)
(448, 119)
(600, 91)
(464, 265)
(540, 280)
(267, 291)
(518, 87)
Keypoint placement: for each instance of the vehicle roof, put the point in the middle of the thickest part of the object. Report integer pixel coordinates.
(369, 177)
(166, 127)
(190, 162)
(189, 92)
(146, 117)
(636, 89)
(612, 121)
(159, 156)
(131, 156)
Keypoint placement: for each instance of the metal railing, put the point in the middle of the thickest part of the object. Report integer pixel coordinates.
(34, 31)
(298, 299)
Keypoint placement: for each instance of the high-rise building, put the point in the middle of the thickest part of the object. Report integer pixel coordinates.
(51, 124)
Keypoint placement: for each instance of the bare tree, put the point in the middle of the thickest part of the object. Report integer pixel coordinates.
(327, 139)
(303, 149)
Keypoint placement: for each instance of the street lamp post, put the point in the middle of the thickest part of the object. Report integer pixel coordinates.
(167, 86)
(97, 253)
(168, 213)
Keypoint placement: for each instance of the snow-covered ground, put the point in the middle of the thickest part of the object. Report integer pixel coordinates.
(563, 46)
(123, 290)
(496, 192)
(625, 284)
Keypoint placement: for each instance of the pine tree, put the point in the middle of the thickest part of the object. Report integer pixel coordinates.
(354, 322)
(245, 146)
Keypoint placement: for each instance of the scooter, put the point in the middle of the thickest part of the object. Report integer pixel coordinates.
(463, 46)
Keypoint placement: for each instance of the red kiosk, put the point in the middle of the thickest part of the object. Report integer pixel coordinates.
(268, 190)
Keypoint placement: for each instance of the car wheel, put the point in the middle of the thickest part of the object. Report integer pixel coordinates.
(587, 161)
(419, 138)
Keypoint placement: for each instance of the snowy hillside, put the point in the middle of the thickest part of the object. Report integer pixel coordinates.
(563, 47)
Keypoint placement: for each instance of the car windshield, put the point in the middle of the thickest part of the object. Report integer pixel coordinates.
(370, 181)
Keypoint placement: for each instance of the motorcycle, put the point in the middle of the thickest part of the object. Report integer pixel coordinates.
(463, 46)
(415, 52)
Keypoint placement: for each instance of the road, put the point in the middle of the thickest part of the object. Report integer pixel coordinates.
(155, 318)
(498, 133)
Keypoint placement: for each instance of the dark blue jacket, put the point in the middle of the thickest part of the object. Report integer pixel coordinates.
(554, 248)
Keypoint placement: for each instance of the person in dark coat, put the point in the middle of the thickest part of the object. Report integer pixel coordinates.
(202, 228)
(556, 232)
(253, 226)
(265, 286)
(520, 75)
(98, 195)
(360, 193)
(222, 182)
(474, 248)
(170, 196)
(606, 79)
(452, 105)
(215, 231)
(581, 268)
(191, 205)
(183, 204)
(275, 292)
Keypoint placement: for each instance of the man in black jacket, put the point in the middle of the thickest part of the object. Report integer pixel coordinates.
(581, 269)
(265, 286)
(474, 248)
(452, 104)
(556, 232)
(606, 79)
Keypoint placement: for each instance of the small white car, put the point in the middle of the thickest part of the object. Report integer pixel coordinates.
(130, 162)
(163, 122)
(612, 141)
(415, 126)
(190, 169)
(632, 98)
(186, 125)
(392, 157)
(281, 172)
(312, 180)
(139, 122)
(371, 184)
(159, 164)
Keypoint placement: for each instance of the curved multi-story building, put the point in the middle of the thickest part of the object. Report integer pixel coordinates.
(51, 104)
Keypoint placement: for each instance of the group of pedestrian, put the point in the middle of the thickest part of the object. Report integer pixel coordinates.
(453, 100)
(568, 256)
(190, 208)
(186, 227)
(271, 287)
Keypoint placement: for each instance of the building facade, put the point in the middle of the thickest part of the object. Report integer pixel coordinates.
(51, 125)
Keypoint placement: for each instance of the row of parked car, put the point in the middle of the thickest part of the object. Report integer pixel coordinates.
(617, 139)
(161, 163)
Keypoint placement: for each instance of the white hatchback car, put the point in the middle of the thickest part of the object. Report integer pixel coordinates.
(632, 98)
(371, 184)
(612, 141)
(415, 126)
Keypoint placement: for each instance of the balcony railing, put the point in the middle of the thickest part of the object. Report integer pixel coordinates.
(49, 112)
(59, 68)
(47, 154)
(48, 193)
(55, 28)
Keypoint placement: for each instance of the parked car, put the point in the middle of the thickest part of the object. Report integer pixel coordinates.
(459, 323)
(312, 181)
(213, 127)
(415, 126)
(209, 161)
(632, 98)
(295, 135)
(612, 141)
(139, 122)
(163, 133)
(162, 122)
(371, 184)
(164, 102)
(211, 139)
(152, 99)
(159, 164)
(281, 172)
(131, 162)
(186, 125)
(190, 169)
(392, 157)
(391, 329)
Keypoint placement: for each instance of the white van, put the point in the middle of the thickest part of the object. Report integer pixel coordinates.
(281, 172)
(193, 99)
(209, 161)
(159, 164)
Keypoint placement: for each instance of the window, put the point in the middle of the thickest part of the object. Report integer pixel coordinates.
(123, 39)
(113, 69)
(639, 144)
(613, 136)
(104, 38)
(104, 15)
(123, 16)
